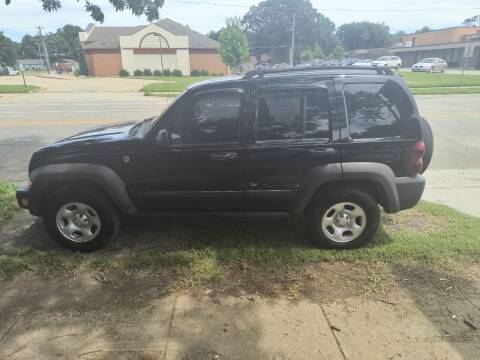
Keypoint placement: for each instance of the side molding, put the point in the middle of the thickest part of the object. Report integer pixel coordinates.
(102, 176)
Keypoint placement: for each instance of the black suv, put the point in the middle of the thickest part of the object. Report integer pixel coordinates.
(327, 144)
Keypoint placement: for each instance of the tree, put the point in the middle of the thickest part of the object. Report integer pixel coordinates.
(269, 28)
(310, 54)
(339, 52)
(8, 50)
(150, 8)
(233, 44)
(29, 47)
(423, 29)
(398, 36)
(215, 35)
(474, 20)
(364, 35)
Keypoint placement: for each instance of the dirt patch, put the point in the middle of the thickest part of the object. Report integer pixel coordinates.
(413, 220)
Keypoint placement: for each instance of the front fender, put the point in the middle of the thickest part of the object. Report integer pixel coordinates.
(102, 176)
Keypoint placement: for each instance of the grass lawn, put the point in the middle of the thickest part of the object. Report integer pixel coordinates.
(171, 84)
(17, 89)
(7, 201)
(427, 80)
(446, 90)
(429, 235)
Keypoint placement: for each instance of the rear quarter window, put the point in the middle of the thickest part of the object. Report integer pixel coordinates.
(377, 110)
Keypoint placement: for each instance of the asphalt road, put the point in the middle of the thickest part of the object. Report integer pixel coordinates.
(30, 121)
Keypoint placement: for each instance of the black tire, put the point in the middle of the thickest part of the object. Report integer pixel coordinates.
(321, 204)
(427, 137)
(107, 213)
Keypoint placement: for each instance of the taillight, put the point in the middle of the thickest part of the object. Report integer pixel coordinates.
(415, 165)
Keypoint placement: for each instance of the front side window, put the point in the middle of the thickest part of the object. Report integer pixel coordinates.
(376, 110)
(293, 114)
(213, 117)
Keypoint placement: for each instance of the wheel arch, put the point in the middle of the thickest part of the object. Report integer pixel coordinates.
(50, 178)
(378, 180)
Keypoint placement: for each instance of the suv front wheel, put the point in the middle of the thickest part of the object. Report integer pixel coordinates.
(80, 219)
(346, 219)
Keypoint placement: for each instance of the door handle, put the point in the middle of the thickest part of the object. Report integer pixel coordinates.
(224, 156)
(322, 151)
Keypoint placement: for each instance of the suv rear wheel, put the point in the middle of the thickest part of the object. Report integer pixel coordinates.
(347, 219)
(81, 220)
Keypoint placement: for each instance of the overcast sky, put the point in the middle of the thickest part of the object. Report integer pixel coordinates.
(22, 16)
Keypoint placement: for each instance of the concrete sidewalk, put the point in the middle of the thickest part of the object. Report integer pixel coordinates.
(80, 317)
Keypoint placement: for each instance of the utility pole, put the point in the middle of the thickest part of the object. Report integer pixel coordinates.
(45, 51)
(161, 50)
(292, 47)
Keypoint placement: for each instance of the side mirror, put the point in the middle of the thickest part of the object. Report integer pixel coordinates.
(163, 139)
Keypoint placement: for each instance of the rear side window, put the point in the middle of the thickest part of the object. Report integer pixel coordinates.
(293, 114)
(376, 110)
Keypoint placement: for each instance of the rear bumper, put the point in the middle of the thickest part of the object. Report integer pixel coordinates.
(410, 190)
(23, 197)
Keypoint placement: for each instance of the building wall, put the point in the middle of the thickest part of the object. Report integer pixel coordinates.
(443, 36)
(207, 60)
(103, 63)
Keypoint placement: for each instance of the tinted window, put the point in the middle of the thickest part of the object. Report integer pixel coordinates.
(280, 116)
(213, 118)
(293, 114)
(317, 119)
(376, 110)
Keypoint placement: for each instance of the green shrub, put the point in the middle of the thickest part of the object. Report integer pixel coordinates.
(157, 72)
(167, 72)
(147, 72)
(138, 72)
(76, 72)
(177, 72)
(204, 73)
(123, 72)
(195, 72)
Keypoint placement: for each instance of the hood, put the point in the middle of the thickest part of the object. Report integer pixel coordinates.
(111, 132)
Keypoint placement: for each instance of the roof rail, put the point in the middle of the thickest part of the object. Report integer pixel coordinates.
(261, 72)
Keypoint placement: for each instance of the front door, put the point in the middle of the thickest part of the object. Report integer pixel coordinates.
(203, 167)
(295, 132)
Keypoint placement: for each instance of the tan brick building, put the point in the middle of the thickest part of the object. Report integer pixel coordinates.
(165, 44)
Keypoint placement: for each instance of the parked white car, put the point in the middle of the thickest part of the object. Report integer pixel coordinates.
(431, 65)
(363, 62)
(388, 61)
(12, 71)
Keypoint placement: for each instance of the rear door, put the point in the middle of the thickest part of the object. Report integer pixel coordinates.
(295, 130)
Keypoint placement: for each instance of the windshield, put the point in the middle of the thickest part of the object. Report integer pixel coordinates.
(427, 60)
(383, 58)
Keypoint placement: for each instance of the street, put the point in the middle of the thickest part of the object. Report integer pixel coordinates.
(28, 122)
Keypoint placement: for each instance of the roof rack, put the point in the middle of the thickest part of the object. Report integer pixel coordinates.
(261, 72)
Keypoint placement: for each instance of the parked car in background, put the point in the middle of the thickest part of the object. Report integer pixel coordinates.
(363, 62)
(431, 65)
(348, 61)
(388, 61)
(265, 141)
(331, 62)
(7, 70)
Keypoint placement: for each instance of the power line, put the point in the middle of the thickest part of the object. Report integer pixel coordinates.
(192, 2)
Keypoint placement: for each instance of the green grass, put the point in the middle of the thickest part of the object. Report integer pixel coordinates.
(17, 89)
(430, 235)
(427, 80)
(446, 90)
(171, 84)
(163, 94)
(7, 201)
